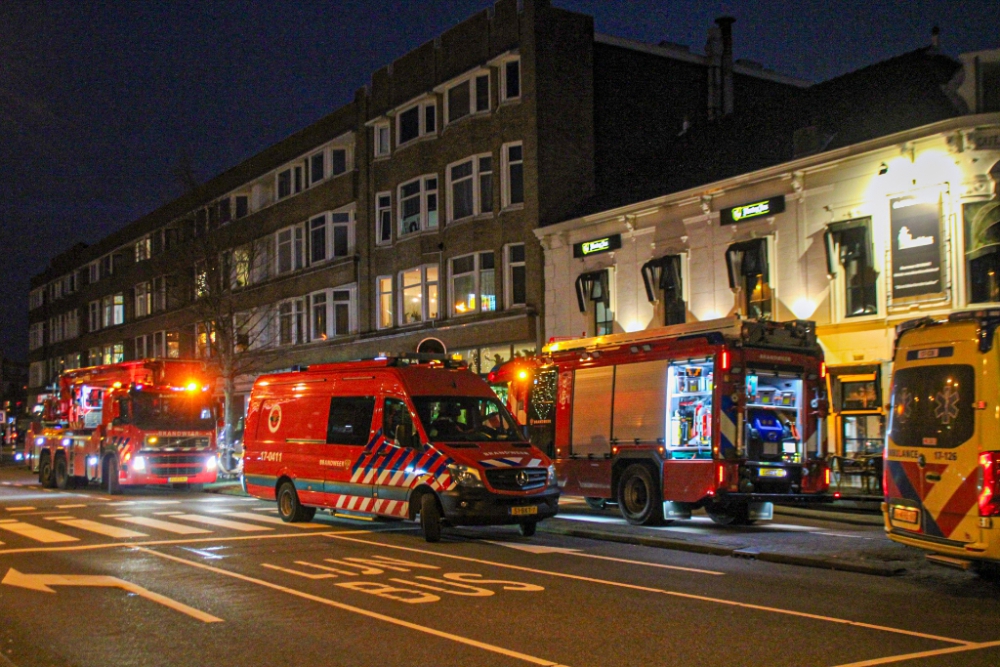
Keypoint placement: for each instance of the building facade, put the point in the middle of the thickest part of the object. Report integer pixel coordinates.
(402, 221)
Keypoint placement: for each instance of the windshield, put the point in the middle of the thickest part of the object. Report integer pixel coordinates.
(182, 411)
(466, 419)
(932, 406)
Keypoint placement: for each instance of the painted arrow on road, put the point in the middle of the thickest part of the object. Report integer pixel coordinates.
(43, 582)
(542, 549)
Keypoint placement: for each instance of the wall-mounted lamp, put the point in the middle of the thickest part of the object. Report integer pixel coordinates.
(883, 169)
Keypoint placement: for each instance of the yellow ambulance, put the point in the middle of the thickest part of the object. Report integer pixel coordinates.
(942, 482)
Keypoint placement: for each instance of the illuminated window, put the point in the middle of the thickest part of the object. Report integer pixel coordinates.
(662, 278)
(849, 246)
(749, 273)
(418, 205)
(384, 286)
(473, 284)
(594, 288)
(515, 278)
(419, 294)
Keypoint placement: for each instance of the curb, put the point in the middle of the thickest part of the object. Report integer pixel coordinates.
(841, 517)
(879, 570)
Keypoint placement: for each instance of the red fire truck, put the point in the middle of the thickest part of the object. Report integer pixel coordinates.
(724, 415)
(137, 422)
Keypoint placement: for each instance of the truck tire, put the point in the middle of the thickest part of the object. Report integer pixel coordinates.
(430, 518)
(639, 497)
(289, 507)
(527, 528)
(45, 476)
(730, 515)
(61, 473)
(110, 479)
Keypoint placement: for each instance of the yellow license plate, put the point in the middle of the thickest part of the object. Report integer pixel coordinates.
(177, 480)
(522, 511)
(905, 514)
(772, 472)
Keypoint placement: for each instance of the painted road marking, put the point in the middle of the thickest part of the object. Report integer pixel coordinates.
(21, 508)
(265, 509)
(222, 523)
(69, 507)
(853, 537)
(647, 589)
(123, 503)
(99, 528)
(169, 526)
(277, 520)
(36, 533)
(168, 513)
(42, 582)
(539, 549)
(363, 612)
(923, 654)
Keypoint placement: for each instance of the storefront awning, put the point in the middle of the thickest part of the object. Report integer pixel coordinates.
(592, 286)
(748, 258)
(663, 273)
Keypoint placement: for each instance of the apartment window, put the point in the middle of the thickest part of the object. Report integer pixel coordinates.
(107, 265)
(662, 279)
(242, 206)
(331, 236)
(338, 161)
(510, 80)
(332, 313)
(72, 324)
(291, 249)
(382, 147)
(849, 245)
(291, 181)
(291, 322)
(317, 167)
(470, 184)
(515, 276)
(113, 310)
(419, 294)
(36, 336)
(513, 171)
(36, 298)
(94, 272)
(69, 283)
(594, 288)
(318, 240)
(384, 286)
(223, 211)
(200, 280)
(143, 347)
(473, 283)
(749, 273)
(468, 97)
(142, 300)
(204, 340)
(417, 121)
(159, 294)
(114, 354)
(418, 205)
(94, 320)
(383, 218)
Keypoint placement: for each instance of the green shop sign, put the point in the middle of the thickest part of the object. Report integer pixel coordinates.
(757, 209)
(597, 246)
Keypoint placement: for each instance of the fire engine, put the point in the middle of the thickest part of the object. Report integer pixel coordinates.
(724, 415)
(137, 422)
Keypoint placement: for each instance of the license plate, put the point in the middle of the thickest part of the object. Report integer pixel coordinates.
(522, 511)
(771, 472)
(904, 514)
(177, 480)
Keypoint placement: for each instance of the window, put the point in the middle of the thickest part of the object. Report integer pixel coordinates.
(69, 283)
(94, 321)
(118, 309)
(204, 340)
(142, 300)
(382, 147)
(982, 245)
(849, 244)
(473, 284)
(418, 205)
(513, 171)
(662, 278)
(242, 206)
(159, 296)
(317, 168)
(383, 218)
(417, 121)
(397, 423)
(468, 97)
(338, 161)
(291, 322)
(72, 324)
(515, 277)
(143, 249)
(291, 181)
(36, 299)
(291, 249)
(318, 240)
(385, 303)
(107, 266)
(749, 274)
(143, 347)
(510, 80)
(200, 280)
(222, 211)
(113, 354)
(350, 420)
(419, 294)
(595, 287)
(470, 183)
(36, 336)
(94, 270)
(332, 313)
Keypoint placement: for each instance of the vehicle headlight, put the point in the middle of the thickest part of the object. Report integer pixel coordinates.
(552, 475)
(139, 464)
(92, 461)
(464, 475)
(19, 456)
(211, 463)
(40, 440)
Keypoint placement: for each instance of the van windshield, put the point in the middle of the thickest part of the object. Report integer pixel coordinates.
(466, 419)
(182, 411)
(932, 406)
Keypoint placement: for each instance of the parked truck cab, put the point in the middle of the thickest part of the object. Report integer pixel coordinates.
(393, 439)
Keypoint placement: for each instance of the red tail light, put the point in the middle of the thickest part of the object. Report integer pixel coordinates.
(989, 493)
(725, 360)
(822, 370)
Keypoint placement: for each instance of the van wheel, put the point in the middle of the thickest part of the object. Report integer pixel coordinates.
(61, 473)
(110, 481)
(639, 497)
(45, 477)
(527, 528)
(308, 513)
(289, 507)
(430, 518)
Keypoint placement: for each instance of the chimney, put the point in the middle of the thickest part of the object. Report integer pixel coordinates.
(713, 56)
(725, 24)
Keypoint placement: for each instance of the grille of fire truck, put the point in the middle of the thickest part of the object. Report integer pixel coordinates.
(505, 479)
(167, 443)
(172, 466)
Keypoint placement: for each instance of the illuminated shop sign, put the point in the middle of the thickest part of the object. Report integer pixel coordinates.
(597, 246)
(915, 225)
(757, 209)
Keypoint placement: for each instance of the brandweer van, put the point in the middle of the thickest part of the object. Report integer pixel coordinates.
(942, 481)
(394, 439)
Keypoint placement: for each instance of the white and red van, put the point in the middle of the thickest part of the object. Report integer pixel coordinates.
(393, 439)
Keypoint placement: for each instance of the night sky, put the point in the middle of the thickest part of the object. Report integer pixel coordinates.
(101, 100)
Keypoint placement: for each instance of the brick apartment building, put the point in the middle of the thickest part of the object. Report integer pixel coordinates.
(404, 219)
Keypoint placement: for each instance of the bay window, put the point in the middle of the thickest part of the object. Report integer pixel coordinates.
(417, 121)
(418, 205)
(467, 97)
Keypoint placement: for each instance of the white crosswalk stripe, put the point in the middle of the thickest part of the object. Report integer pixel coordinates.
(36, 533)
(99, 528)
(222, 523)
(274, 519)
(169, 526)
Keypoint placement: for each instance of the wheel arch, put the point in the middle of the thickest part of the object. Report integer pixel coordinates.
(648, 460)
(415, 497)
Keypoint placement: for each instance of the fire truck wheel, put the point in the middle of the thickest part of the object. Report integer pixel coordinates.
(308, 513)
(289, 507)
(63, 480)
(639, 497)
(45, 477)
(527, 529)
(430, 518)
(110, 479)
(730, 515)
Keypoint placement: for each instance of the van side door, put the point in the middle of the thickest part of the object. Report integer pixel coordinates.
(347, 484)
(395, 458)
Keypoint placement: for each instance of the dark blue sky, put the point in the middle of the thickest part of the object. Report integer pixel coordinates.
(98, 100)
